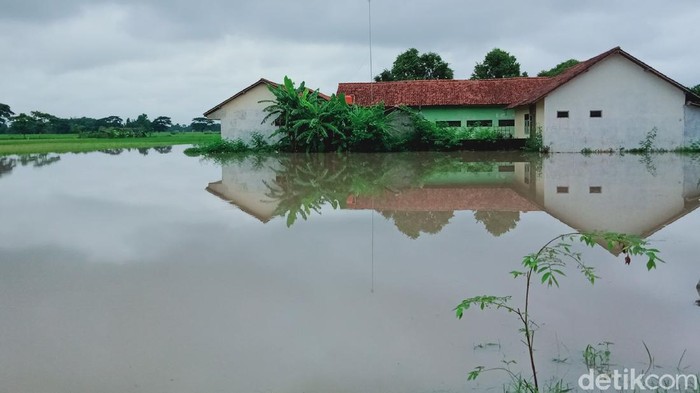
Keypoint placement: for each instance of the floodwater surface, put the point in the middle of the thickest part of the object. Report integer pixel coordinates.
(139, 271)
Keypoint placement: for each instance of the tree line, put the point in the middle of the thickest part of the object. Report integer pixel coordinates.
(412, 65)
(44, 123)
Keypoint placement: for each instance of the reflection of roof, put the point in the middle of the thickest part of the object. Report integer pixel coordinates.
(580, 68)
(264, 215)
(442, 92)
(445, 199)
(249, 88)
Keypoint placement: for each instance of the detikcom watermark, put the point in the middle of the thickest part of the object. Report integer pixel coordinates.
(631, 380)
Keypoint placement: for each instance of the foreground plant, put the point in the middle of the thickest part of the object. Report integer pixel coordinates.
(546, 265)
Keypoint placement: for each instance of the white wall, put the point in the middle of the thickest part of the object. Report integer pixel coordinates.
(633, 102)
(692, 124)
(244, 115)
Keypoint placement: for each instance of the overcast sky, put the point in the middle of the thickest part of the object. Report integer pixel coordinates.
(181, 57)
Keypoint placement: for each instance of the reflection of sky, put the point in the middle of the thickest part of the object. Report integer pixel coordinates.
(199, 296)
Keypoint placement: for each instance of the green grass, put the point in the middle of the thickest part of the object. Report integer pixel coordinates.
(65, 143)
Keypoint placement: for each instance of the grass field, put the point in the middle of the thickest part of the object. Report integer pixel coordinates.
(65, 143)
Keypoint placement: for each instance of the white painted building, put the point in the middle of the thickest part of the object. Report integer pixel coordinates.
(242, 114)
(611, 101)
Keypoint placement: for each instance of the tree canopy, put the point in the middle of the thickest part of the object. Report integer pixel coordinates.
(44, 123)
(696, 89)
(411, 65)
(559, 68)
(162, 123)
(497, 64)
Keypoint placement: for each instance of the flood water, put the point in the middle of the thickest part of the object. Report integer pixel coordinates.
(150, 271)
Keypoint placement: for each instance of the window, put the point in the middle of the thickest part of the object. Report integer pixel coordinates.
(562, 190)
(595, 190)
(562, 114)
(596, 113)
(506, 123)
(479, 123)
(506, 168)
(527, 124)
(449, 123)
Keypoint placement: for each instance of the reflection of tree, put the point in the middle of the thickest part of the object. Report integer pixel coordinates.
(163, 149)
(112, 152)
(7, 164)
(143, 150)
(497, 223)
(412, 223)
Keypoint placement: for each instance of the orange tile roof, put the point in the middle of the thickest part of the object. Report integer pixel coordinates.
(442, 92)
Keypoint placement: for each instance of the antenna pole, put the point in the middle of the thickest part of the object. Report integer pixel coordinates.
(371, 71)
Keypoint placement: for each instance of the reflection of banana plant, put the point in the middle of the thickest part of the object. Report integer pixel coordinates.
(301, 189)
(303, 184)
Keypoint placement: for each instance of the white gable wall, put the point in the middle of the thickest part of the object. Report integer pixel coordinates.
(633, 102)
(243, 116)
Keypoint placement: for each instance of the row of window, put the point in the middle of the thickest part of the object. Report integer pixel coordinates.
(591, 190)
(565, 114)
(476, 123)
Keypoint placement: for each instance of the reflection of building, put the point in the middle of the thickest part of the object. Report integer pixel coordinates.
(619, 194)
(245, 184)
(628, 194)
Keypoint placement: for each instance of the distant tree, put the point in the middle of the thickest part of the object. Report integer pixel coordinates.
(43, 122)
(110, 121)
(497, 64)
(23, 124)
(141, 123)
(411, 65)
(696, 90)
(83, 124)
(201, 124)
(559, 68)
(5, 115)
(161, 123)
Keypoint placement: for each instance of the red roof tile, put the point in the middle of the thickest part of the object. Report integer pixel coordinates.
(442, 92)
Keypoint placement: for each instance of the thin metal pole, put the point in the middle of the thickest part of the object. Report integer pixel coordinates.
(371, 70)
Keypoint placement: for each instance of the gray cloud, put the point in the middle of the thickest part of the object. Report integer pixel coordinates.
(180, 57)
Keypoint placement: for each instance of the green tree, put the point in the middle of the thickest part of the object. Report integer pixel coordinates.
(559, 68)
(497, 64)
(411, 65)
(5, 116)
(110, 121)
(23, 124)
(141, 123)
(43, 122)
(696, 90)
(162, 123)
(201, 124)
